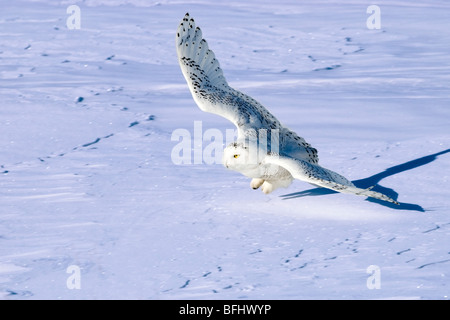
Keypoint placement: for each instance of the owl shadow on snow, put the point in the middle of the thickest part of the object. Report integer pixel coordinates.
(374, 180)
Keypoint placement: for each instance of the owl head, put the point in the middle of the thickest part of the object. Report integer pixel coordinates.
(238, 157)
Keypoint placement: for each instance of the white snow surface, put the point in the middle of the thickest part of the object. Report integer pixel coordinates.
(87, 178)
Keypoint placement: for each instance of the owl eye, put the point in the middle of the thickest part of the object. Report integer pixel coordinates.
(236, 156)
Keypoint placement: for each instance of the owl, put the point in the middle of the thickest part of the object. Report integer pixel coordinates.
(269, 153)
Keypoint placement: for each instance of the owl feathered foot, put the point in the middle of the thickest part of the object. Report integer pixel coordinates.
(269, 186)
(256, 183)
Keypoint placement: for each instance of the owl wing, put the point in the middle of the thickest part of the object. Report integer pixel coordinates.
(322, 177)
(208, 86)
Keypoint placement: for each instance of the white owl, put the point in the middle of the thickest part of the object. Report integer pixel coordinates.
(266, 151)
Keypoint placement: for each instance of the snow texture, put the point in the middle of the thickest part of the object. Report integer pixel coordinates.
(87, 179)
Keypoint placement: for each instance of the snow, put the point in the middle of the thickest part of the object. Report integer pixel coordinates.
(87, 177)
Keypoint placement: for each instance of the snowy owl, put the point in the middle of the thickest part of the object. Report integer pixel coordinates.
(265, 150)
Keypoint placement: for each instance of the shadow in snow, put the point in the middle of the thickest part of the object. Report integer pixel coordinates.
(374, 180)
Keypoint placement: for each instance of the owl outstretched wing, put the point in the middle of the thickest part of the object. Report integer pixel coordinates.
(212, 93)
(209, 87)
(322, 177)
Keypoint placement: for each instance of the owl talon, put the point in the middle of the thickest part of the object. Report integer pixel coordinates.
(256, 183)
(267, 187)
